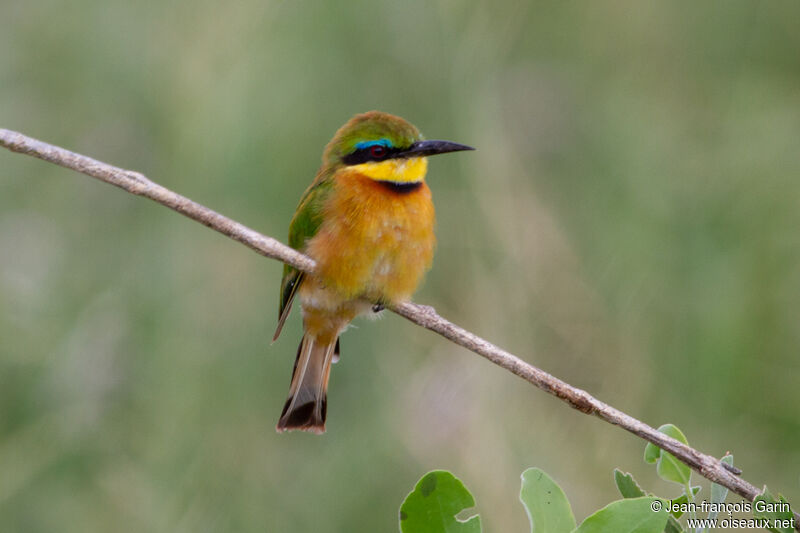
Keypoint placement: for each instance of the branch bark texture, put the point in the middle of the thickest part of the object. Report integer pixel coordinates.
(707, 466)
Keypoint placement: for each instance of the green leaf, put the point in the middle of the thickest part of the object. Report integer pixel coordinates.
(633, 515)
(718, 492)
(652, 453)
(547, 507)
(668, 468)
(434, 503)
(627, 486)
(777, 511)
(682, 500)
(673, 526)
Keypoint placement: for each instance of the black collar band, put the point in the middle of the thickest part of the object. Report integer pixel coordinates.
(401, 187)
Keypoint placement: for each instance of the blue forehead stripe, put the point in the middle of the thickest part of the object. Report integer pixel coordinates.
(367, 144)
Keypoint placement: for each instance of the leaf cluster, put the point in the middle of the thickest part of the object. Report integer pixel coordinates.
(440, 503)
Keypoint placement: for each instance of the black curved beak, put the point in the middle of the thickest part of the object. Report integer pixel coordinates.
(426, 148)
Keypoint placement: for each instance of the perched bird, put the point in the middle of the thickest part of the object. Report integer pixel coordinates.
(367, 220)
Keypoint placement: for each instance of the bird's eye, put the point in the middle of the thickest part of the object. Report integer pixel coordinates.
(377, 151)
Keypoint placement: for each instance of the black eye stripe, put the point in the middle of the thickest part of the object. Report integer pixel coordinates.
(366, 154)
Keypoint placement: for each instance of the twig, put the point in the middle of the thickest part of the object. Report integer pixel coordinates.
(707, 466)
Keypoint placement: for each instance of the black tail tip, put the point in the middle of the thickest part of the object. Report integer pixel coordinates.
(303, 418)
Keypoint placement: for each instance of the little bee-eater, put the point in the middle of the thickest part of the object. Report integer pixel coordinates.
(367, 220)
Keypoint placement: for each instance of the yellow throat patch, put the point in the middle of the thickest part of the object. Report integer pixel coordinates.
(398, 170)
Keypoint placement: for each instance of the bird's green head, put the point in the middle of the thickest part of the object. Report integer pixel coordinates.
(383, 147)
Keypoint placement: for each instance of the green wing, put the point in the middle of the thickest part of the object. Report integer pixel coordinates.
(305, 224)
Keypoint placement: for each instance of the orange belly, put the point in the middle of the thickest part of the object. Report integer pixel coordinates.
(375, 243)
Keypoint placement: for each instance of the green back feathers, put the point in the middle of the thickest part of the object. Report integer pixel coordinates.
(308, 216)
(305, 224)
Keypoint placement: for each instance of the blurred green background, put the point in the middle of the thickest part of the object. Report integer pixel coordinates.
(629, 223)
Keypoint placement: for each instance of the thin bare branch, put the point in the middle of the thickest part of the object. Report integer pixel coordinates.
(707, 466)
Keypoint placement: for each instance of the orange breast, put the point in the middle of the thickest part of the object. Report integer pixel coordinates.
(374, 242)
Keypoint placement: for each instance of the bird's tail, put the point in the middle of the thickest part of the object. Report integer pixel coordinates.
(305, 408)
